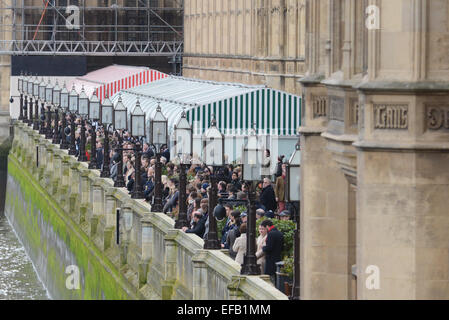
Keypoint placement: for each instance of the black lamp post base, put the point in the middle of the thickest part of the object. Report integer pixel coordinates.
(137, 195)
(212, 244)
(119, 184)
(64, 145)
(156, 208)
(72, 152)
(180, 224)
(105, 174)
(250, 267)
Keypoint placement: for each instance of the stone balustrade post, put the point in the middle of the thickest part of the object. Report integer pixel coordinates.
(97, 208)
(145, 239)
(200, 283)
(108, 220)
(84, 199)
(170, 262)
(126, 224)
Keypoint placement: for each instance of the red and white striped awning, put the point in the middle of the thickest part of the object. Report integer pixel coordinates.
(115, 78)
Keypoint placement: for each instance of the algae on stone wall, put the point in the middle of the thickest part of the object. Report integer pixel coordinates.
(39, 220)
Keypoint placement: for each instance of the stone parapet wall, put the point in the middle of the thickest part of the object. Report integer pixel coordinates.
(152, 260)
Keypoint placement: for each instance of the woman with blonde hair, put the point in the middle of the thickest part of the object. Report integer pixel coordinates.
(261, 242)
(240, 245)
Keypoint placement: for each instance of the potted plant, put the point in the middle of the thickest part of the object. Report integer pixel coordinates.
(287, 269)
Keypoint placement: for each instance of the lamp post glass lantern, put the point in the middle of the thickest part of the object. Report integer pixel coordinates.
(83, 104)
(121, 116)
(107, 111)
(42, 86)
(159, 128)
(49, 92)
(183, 139)
(213, 146)
(94, 110)
(73, 100)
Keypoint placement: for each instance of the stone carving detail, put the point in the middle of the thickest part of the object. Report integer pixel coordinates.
(319, 105)
(355, 112)
(337, 108)
(437, 117)
(391, 117)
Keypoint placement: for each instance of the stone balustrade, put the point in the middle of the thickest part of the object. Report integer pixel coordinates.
(157, 260)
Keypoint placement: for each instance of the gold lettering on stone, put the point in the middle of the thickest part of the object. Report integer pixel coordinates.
(391, 117)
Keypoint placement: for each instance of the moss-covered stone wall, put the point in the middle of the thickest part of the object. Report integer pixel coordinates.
(54, 242)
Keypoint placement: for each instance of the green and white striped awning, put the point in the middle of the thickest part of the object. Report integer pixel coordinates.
(237, 107)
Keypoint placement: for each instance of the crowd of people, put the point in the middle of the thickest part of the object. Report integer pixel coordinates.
(271, 194)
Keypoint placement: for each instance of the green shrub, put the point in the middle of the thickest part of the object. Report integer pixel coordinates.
(288, 230)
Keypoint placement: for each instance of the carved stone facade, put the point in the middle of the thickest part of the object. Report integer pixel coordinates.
(374, 166)
(251, 41)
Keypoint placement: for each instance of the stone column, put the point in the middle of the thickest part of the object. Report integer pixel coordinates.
(403, 151)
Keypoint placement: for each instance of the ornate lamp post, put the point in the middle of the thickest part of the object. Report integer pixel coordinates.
(73, 108)
(64, 106)
(213, 155)
(121, 123)
(42, 86)
(183, 149)
(252, 171)
(56, 103)
(138, 131)
(48, 99)
(25, 106)
(107, 114)
(83, 110)
(35, 118)
(158, 138)
(294, 196)
(20, 88)
(94, 116)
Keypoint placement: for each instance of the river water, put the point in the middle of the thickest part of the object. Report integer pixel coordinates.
(18, 279)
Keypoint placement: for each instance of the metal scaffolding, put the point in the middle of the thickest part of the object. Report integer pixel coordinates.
(92, 27)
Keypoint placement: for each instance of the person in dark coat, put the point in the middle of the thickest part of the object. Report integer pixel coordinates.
(166, 154)
(267, 196)
(235, 181)
(198, 225)
(273, 247)
(147, 151)
(100, 156)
